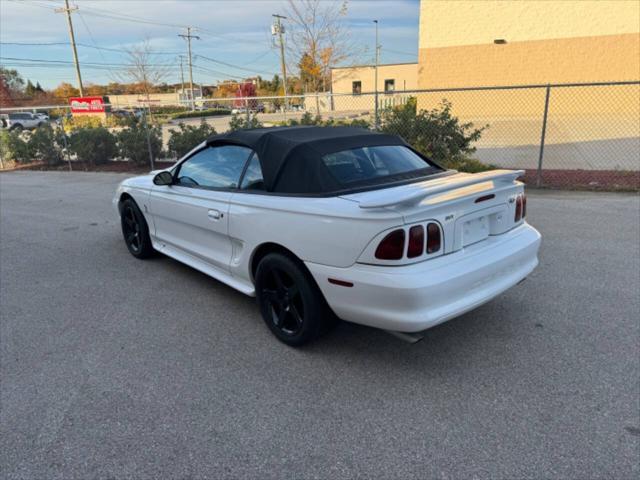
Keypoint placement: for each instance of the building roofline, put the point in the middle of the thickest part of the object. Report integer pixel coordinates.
(373, 66)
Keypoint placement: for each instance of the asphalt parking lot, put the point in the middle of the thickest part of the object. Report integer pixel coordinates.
(117, 368)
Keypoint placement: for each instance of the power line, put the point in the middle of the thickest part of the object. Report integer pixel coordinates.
(217, 72)
(232, 65)
(66, 62)
(79, 44)
(399, 52)
(86, 27)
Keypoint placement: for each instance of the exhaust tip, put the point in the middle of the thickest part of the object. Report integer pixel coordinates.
(407, 337)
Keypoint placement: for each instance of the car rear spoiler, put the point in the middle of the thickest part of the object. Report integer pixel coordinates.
(387, 198)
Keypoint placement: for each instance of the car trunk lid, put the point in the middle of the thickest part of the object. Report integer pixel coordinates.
(469, 207)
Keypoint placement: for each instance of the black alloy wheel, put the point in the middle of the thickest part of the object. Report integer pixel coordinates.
(285, 301)
(290, 302)
(135, 230)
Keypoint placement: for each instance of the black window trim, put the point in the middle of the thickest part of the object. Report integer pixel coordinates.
(244, 172)
(176, 169)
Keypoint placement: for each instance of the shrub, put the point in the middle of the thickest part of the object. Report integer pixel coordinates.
(93, 145)
(188, 136)
(167, 109)
(203, 113)
(13, 147)
(132, 143)
(241, 122)
(45, 145)
(436, 133)
(345, 122)
(71, 124)
(308, 119)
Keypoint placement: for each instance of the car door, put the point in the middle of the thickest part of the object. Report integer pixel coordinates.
(191, 215)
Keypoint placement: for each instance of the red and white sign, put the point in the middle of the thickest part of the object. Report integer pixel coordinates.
(87, 105)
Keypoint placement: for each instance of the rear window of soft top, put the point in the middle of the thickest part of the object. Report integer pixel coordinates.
(365, 164)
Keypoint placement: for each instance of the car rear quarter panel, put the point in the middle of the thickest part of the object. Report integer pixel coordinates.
(330, 231)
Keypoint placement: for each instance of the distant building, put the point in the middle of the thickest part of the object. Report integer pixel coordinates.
(393, 79)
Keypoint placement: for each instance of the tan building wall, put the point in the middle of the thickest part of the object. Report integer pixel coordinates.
(133, 100)
(403, 75)
(546, 42)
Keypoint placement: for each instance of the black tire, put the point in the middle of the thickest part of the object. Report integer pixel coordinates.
(135, 230)
(290, 302)
(17, 127)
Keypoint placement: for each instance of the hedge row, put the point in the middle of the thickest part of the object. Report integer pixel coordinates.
(202, 113)
(94, 144)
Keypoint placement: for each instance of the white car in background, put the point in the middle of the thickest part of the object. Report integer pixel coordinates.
(320, 223)
(21, 121)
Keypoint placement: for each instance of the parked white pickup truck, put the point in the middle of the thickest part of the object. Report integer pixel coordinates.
(21, 121)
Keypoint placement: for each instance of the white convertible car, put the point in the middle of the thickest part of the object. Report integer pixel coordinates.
(326, 223)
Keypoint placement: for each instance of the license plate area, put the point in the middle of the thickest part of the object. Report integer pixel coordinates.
(475, 230)
(476, 226)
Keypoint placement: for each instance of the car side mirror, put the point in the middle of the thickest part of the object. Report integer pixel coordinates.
(163, 178)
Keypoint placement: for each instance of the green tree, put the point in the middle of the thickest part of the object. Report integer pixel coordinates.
(241, 122)
(187, 137)
(30, 89)
(45, 145)
(132, 143)
(13, 147)
(12, 79)
(93, 146)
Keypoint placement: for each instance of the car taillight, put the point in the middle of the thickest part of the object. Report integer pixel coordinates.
(518, 215)
(524, 205)
(392, 246)
(433, 238)
(416, 241)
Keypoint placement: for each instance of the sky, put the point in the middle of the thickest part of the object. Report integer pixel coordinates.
(235, 36)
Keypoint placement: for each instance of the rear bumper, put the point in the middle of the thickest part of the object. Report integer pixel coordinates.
(415, 297)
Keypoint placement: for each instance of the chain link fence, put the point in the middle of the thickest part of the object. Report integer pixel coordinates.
(561, 135)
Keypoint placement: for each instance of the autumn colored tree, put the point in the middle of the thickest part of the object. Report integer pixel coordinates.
(64, 91)
(93, 90)
(318, 39)
(11, 87)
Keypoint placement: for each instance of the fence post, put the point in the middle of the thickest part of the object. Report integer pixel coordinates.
(146, 127)
(542, 135)
(66, 144)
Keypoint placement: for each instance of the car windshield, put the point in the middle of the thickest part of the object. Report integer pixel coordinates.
(370, 163)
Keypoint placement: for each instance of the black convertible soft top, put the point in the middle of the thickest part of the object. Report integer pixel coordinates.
(291, 157)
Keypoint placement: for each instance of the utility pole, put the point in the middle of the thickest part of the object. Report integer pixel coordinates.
(181, 77)
(375, 81)
(278, 29)
(68, 11)
(188, 36)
